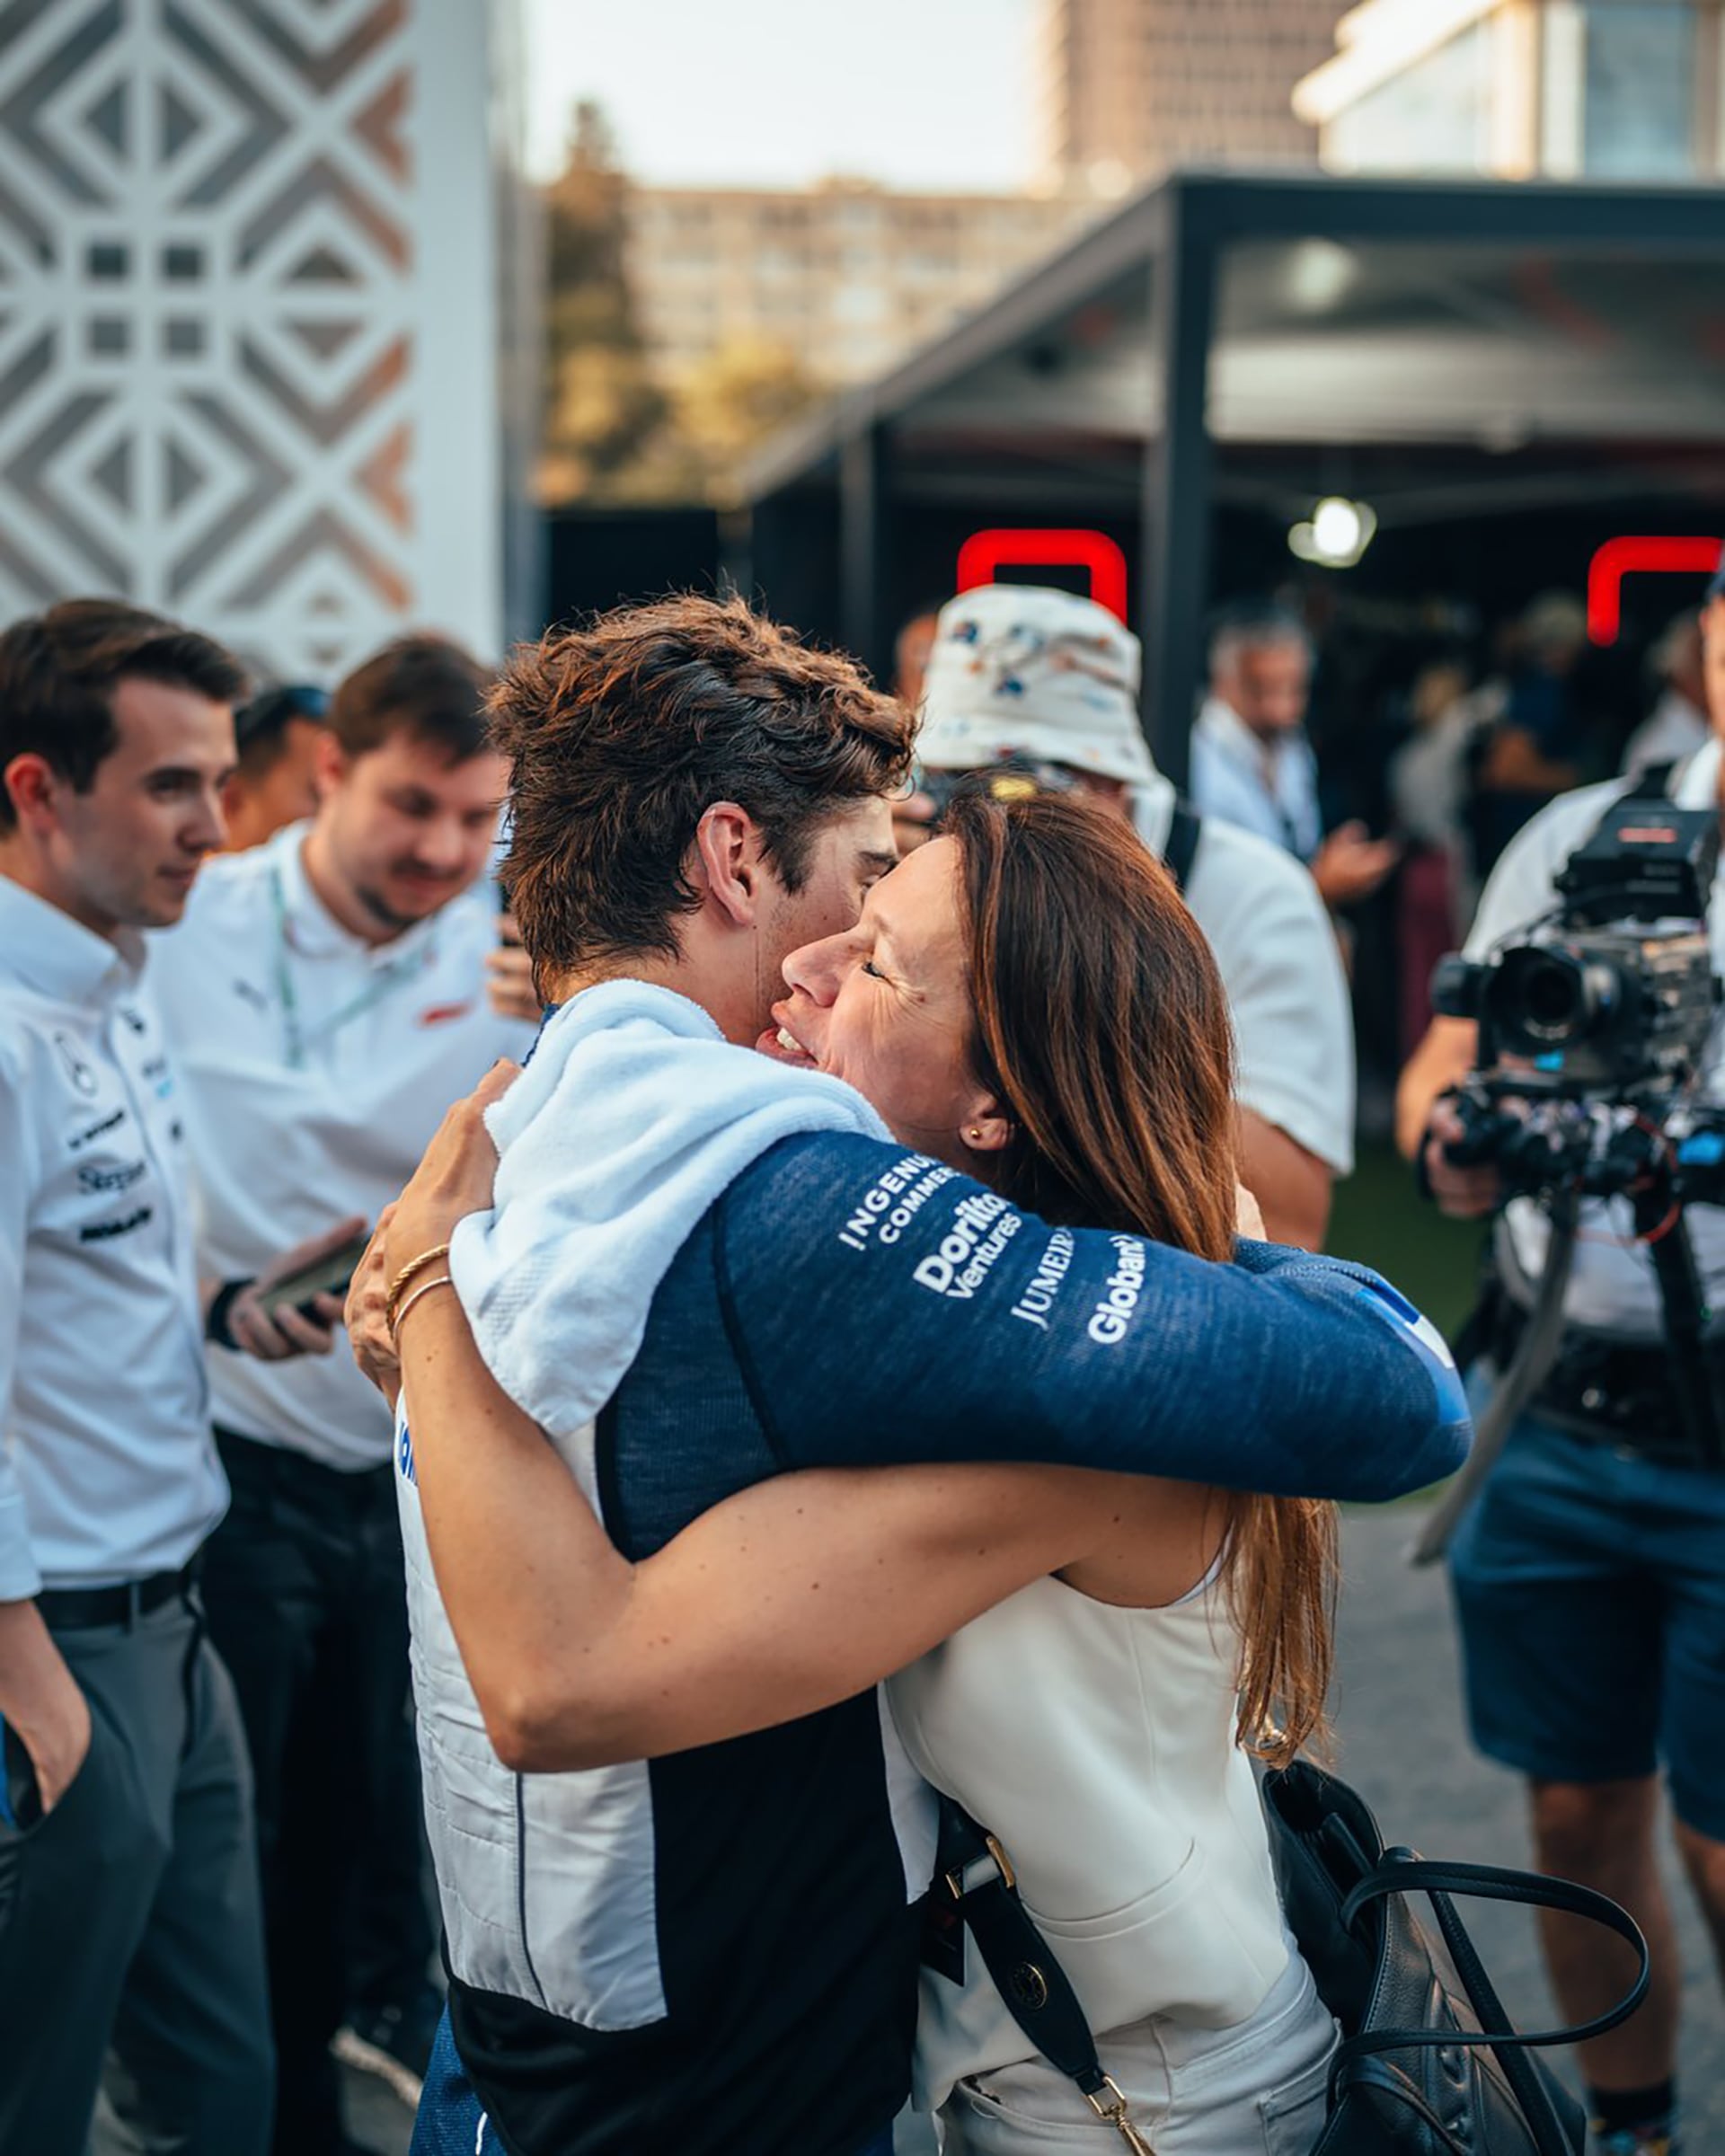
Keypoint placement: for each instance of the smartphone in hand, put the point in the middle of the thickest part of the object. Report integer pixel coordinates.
(329, 1276)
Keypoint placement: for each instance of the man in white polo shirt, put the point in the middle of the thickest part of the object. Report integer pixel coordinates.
(129, 1900)
(325, 1000)
(1051, 680)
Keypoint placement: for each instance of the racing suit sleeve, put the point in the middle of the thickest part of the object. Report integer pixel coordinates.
(886, 1309)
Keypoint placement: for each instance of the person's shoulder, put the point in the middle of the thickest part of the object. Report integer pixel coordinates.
(812, 1197)
(818, 1165)
(225, 874)
(1246, 891)
(1239, 870)
(26, 1078)
(1523, 884)
(17, 1035)
(468, 924)
(1553, 833)
(230, 889)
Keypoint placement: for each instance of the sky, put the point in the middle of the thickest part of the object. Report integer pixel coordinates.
(778, 93)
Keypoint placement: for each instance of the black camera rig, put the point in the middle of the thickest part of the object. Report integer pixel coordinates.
(1593, 1031)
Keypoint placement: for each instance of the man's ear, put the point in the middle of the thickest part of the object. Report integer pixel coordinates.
(331, 763)
(29, 782)
(726, 865)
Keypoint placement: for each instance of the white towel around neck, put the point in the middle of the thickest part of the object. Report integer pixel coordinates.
(633, 1114)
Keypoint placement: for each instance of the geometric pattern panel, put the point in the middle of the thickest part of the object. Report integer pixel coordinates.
(219, 269)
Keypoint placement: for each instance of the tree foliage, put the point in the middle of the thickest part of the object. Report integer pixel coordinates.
(603, 403)
(615, 431)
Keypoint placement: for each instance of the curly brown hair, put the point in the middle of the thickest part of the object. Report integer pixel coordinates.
(620, 735)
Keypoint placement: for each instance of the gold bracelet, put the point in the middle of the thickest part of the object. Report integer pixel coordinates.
(424, 1288)
(409, 1271)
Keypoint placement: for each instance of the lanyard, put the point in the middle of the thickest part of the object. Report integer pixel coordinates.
(387, 977)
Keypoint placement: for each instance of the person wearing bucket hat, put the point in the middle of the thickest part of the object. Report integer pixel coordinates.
(1040, 688)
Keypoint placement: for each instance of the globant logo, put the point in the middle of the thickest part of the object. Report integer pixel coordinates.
(1125, 1286)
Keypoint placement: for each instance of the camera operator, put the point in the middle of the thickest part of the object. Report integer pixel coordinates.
(1042, 688)
(1590, 1573)
(325, 1000)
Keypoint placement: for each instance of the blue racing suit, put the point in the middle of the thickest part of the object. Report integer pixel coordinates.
(717, 1951)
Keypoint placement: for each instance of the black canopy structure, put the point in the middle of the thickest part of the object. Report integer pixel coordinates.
(1451, 352)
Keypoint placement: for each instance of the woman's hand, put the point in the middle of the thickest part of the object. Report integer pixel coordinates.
(368, 1327)
(454, 1179)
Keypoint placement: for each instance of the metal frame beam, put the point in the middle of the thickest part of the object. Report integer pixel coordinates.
(1175, 502)
(862, 515)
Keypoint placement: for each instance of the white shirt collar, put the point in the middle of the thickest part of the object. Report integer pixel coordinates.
(42, 946)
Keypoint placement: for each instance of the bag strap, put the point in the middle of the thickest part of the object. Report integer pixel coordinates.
(1039, 1995)
(1402, 1872)
(1035, 1990)
(1179, 849)
(1399, 1874)
(1518, 2068)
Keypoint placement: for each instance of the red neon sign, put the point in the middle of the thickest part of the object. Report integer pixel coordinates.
(1015, 546)
(1619, 558)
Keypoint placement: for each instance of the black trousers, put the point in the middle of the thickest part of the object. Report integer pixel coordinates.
(307, 1605)
(129, 1916)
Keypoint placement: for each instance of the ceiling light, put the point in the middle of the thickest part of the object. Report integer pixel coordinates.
(1337, 533)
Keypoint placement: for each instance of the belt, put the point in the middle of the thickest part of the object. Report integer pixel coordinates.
(1623, 1397)
(1602, 1391)
(74, 1609)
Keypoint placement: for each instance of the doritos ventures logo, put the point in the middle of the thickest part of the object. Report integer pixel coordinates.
(982, 1227)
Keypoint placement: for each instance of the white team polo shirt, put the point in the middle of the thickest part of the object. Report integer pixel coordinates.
(1613, 1288)
(107, 1472)
(315, 1067)
(1276, 950)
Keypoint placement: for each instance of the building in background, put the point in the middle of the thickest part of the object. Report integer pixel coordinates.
(843, 278)
(1129, 88)
(1563, 89)
(252, 259)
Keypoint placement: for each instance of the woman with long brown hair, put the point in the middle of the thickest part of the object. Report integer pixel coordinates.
(1026, 999)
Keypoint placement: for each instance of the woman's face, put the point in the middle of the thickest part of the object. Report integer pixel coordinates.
(885, 1007)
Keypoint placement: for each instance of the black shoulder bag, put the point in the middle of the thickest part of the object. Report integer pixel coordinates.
(1429, 2063)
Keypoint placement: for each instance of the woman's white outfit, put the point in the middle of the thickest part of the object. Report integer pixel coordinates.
(1098, 1745)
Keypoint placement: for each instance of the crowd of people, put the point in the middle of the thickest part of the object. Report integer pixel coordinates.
(627, 1359)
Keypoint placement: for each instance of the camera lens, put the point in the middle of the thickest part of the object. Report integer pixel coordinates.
(1553, 1000)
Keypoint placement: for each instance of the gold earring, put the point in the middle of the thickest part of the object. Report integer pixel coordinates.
(975, 1131)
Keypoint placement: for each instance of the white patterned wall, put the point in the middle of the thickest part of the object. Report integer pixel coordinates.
(247, 318)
